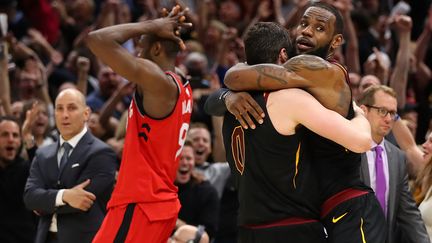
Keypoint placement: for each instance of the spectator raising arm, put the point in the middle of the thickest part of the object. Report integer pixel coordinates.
(399, 77)
(105, 119)
(424, 74)
(352, 52)
(83, 67)
(5, 100)
(407, 144)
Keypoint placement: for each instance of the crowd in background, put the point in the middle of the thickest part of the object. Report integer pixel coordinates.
(386, 42)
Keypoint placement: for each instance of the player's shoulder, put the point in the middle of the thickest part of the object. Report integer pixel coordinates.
(290, 94)
(338, 67)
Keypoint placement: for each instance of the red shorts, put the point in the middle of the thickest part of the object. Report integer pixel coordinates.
(128, 223)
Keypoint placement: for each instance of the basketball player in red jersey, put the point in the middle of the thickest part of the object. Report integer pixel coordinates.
(144, 204)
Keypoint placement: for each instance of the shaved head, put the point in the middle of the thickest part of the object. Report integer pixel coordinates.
(71, 113)
(80, 98)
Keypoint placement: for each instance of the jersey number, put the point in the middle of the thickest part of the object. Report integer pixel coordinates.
(238, 148)
(182, 138)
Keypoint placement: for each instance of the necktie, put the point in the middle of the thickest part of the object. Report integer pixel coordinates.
(67, 147)
(381, 185)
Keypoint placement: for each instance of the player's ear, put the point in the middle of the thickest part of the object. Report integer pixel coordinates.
(156, 48)
(283, 56)
(337, 41)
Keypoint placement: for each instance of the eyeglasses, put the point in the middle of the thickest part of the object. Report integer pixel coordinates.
(382, 112)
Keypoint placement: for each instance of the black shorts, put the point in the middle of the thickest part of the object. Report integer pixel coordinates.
(357, 220)
(312, 232)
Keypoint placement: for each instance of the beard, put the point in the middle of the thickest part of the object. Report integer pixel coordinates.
(322, 52)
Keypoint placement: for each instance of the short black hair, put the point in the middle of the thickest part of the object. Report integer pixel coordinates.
(339, 23)
(263, 42)
(171, 47)
(11, 119)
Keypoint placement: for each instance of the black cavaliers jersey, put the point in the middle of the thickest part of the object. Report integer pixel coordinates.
(272, 171)
(338, 168)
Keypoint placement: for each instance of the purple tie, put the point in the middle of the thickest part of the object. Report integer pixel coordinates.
(381, 185)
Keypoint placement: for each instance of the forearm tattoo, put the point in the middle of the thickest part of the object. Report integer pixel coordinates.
(277, 74)
(306, 63)
(295, 64)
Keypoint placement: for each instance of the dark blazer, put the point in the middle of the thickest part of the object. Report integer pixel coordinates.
(403, 215)
(90, 159)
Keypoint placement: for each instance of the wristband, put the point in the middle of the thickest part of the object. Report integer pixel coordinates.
(224, 95)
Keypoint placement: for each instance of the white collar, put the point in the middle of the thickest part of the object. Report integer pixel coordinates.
(380, 144)
(75, 139)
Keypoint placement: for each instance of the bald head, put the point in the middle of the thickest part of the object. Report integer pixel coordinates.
(71, 113)
(368, 81)
(74, 94)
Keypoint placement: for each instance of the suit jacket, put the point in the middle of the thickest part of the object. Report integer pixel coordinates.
(90, 159)
(403, 215)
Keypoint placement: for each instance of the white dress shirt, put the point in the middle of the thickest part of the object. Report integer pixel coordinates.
(59, 198)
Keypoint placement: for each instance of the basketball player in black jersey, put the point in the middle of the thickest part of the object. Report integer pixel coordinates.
(349, 211)
(278, 195)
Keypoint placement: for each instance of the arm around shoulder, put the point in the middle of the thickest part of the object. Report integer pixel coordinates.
(215, 103)
(261, 77)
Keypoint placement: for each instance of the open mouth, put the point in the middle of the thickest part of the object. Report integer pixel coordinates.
(10, 152)
(40, 125)
(304, 44)
(183, 170)
(10, 149)
(199, 152)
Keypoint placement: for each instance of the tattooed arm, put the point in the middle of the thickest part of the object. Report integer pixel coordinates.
(303, 71)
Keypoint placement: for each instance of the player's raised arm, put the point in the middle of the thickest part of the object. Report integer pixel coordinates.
(158, 44)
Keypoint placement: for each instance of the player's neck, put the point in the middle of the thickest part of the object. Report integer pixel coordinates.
(167, 66)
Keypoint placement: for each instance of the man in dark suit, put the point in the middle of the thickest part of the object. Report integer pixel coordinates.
(17, 224)
(384, 169)
(70, 181)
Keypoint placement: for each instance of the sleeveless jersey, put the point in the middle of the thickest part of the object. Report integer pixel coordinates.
(338, 168)
(150, 156)
(270, 170)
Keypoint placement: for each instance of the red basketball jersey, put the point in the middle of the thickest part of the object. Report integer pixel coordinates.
(150, 157)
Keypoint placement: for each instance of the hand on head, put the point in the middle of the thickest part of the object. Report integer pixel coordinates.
(170, 25)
